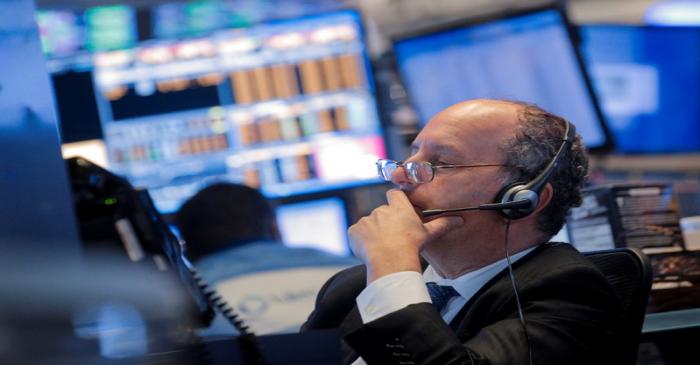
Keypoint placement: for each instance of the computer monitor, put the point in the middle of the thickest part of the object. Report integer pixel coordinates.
(320, 224)
(525, 56)
(64, 32)
(196, 18)
(286, 106)
(648, 83)
(178, 19)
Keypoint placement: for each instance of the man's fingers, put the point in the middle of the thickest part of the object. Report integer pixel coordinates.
(439, 226)
(397, 197)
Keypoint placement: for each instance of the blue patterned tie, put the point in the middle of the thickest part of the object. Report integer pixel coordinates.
(440, 295)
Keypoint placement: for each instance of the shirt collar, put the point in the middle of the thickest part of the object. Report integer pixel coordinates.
(468, 284)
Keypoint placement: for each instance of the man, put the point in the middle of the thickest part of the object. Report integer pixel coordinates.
(476, 148)
(233, 240)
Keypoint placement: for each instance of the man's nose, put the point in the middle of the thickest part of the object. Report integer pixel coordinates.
(400, 178)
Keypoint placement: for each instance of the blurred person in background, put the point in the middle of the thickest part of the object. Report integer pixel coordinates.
(232, 238)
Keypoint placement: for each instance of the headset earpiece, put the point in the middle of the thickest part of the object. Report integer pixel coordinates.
(516, 192)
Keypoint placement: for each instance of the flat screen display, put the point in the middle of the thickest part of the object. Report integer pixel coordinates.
(65, 33)
(528, 57)
(648, 83)
(286, 106)
(321, 224)
(62, 32)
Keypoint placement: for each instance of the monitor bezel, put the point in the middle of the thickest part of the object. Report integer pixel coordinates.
(571, 31)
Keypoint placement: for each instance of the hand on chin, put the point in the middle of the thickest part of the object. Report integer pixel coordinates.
(390, 238)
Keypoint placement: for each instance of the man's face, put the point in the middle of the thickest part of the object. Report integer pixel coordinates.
(464, 134)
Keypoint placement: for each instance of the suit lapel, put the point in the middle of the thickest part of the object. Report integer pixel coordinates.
(479, 307)
(495, 291)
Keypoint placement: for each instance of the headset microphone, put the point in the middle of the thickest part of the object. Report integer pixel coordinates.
(518, 204)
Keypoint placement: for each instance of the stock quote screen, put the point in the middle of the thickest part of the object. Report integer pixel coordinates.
(287, 107)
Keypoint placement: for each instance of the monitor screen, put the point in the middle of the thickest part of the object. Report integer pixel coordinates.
(286, 106)
(110, 27)
(648, 83)
(62, 32)
(527, 57)
(184, 19)
(320, 224)
(177, 19)
(65, 33)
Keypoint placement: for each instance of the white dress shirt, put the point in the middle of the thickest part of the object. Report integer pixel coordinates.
(399, 290)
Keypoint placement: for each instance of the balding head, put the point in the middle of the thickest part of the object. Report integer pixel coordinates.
(495, 113)
(484, 124)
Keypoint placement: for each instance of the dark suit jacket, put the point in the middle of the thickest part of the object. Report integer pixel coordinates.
(572, 317)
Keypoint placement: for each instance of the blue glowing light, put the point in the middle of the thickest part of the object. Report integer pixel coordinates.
(674, 13)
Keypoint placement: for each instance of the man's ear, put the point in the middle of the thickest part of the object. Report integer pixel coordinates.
(545, 197)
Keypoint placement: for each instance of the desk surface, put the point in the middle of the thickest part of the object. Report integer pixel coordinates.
(669, 321)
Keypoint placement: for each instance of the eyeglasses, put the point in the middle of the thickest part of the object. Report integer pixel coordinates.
(418, 172)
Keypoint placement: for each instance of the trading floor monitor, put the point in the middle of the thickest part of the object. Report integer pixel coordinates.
(286, 106)
(320, 224)
(648, 83)
(527, 56)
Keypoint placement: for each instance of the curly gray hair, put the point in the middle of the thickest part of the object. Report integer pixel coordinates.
(535, 143)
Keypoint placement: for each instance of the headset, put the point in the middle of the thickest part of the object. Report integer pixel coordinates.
(519, 199)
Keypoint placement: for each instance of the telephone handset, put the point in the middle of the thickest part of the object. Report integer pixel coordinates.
(113, 215)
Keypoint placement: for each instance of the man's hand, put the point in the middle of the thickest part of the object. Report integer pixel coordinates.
(390, 238)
